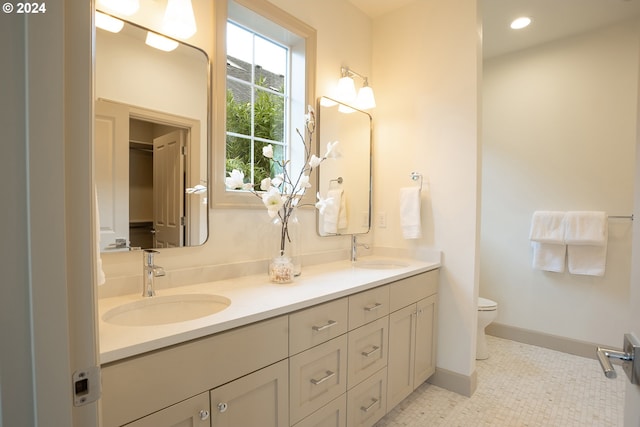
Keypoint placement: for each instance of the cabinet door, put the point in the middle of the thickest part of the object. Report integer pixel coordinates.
(260, 399)
(192, 412)
(425, 361)
(401, 354)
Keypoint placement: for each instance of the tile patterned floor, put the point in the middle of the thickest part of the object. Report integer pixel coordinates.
(520, 385)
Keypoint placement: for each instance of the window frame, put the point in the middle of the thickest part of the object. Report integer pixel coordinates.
(235, 199)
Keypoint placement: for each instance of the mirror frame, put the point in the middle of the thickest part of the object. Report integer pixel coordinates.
(167, 118)
(370, 164)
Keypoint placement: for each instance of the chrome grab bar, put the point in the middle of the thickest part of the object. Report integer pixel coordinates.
(630, 365)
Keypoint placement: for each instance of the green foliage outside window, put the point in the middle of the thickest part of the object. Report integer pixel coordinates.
(268, 125)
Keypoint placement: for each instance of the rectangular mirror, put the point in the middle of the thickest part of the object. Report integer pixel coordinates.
(151, 141)
(347, 179)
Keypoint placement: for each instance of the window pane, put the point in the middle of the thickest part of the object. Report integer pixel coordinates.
(239, 52)
(238, 108)
(269, 116)
(239, 155)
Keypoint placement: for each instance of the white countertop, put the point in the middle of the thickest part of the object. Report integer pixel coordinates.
(253, 298)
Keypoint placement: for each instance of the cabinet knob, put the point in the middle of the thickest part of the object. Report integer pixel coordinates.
(222, 407)
(204, 414)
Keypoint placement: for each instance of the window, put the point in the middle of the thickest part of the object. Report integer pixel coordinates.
(268, 81)
(258, 87)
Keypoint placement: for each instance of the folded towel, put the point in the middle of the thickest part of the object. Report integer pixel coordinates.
(586, 228)
(547, 227)
(548, 256)
(331, 216)
(410, 212)
(547, 240)
(586, 236)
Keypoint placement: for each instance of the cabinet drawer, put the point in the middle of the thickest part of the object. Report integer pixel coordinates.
(367, 350)
(367, 402)
(333, 414)
(408, 291)
(368, 306)
(317, 324)
(317, 376)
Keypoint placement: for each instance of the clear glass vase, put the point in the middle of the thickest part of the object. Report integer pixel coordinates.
(285, 239)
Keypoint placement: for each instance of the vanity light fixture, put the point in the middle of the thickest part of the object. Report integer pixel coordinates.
(108, 23)
(160, 42)
(520, 23)
(347, 91)
(179, 20)
(125, 7)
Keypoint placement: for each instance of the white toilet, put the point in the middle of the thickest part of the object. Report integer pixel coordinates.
(487, 312)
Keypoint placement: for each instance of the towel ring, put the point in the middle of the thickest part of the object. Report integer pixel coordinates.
(415, 176)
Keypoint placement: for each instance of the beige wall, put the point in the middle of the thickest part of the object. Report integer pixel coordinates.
(559, 134)
(425, 65)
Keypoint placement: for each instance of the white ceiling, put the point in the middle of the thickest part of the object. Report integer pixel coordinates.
(552, 19)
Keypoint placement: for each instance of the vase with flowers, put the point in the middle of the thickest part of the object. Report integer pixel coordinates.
(282, 194)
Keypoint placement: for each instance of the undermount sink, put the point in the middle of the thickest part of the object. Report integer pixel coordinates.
(379, 264)
(161, 310)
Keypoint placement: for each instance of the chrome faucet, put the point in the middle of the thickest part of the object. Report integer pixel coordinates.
(354, 247)
(149, 272)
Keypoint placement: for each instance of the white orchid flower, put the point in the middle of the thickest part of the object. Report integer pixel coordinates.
(277, 180)
(265, 184)
(333, 151)
(322, 203)
(310, 119)
(304, 181)
(267, 151)
(273, 201)
(235, 179)
(315, 161)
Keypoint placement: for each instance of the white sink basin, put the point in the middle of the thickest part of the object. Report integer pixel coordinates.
(161, 310)
(379, 264)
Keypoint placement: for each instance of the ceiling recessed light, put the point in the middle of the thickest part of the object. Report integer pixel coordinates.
(520, 23)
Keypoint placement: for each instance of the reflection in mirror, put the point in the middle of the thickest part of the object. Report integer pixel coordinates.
(347, 179)
(151, 142)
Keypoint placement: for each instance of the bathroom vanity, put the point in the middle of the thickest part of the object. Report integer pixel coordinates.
(340, 347)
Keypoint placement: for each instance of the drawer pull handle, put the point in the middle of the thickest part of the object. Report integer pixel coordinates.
(369, 353)
(373, 307)
(329, 375)
(368, 408)
(329, 324)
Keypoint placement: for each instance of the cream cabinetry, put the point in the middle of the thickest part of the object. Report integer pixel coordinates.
(258, 399)
(343, 363)
(192, 412)
(142, 385)
(412, 337)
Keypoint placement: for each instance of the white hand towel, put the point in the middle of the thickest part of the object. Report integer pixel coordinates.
(410, 212)
(343, 220)
(547, 240)
(547, 227)
(548, 257)
(331, 216)
(586, 236)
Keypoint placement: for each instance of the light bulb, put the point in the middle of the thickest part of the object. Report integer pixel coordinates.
(365, 100)
(179, 20)
(346, 89)
(160, 42)
(108, 23)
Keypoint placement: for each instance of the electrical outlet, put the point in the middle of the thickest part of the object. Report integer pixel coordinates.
(382, 219)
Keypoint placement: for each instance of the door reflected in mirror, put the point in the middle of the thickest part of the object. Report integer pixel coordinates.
(347, 179)
(151, 142)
